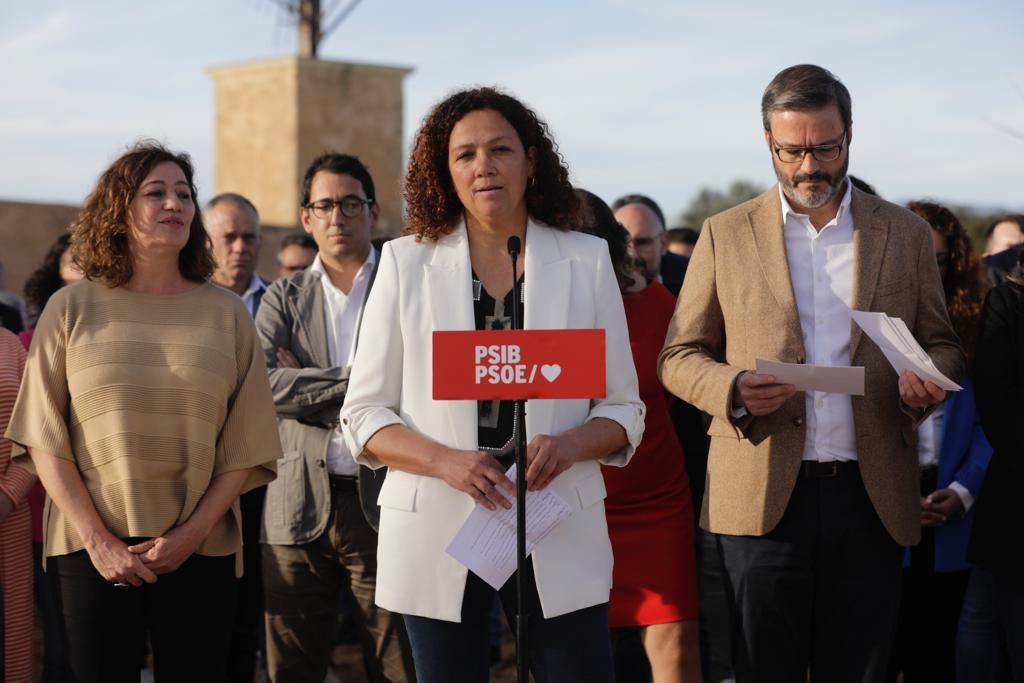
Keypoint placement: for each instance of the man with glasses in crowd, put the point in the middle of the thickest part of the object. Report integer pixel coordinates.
(319, 525)
(812, 494)
(644, 220)
(296, 253)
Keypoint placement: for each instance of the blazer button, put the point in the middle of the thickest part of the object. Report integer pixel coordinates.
(344, 420)
(798, 421)
(321, 463)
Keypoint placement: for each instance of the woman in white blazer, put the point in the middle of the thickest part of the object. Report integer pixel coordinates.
(484, 168)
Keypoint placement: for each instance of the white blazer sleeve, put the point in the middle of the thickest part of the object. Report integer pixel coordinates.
(375, 384)
(622, 402)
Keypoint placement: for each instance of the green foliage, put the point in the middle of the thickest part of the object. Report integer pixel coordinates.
(710, 201)
(975, 224)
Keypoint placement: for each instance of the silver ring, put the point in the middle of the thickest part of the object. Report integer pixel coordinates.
(121, 584)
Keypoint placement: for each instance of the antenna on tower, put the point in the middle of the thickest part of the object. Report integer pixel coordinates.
(316, 20)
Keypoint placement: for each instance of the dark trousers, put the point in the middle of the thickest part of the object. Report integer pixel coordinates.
(54, 648)
(572, 648)
(248, 623)
(303, 586)
(819, 592)
(990, 639)
(187, 612)
(929, 612)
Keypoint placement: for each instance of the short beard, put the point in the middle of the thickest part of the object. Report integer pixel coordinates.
(812, 200)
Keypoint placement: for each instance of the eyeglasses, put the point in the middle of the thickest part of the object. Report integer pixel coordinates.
(351, 206)
(794, 155)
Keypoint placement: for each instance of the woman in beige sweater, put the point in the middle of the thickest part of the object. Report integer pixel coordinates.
(146, 411)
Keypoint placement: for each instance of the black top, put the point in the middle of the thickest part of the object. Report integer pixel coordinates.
(999, 391)
(497, 420)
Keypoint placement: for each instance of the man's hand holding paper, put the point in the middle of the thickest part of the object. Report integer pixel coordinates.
(921, 384)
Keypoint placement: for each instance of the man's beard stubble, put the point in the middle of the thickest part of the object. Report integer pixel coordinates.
(811, 200)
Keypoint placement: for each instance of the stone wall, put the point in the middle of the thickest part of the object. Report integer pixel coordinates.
(28, 229)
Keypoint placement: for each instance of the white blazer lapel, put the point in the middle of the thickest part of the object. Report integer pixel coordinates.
(546, 300)
(450, 291)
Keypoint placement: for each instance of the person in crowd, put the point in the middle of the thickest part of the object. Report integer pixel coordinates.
(483, 169)
(1003, 233)
(146, 411)
(953, 455)
(11, 319)
(1004, 261)
(812, 494)
(862, 185)
(993, 612)
(650, 515)
(57, 270)
(645, 221)
(16, 649)
(12, 306)
(233, 224)
(319, 525)
(681, 241)
(297, 252)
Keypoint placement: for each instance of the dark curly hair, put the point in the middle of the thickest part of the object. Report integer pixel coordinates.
(100, 235)
(596, 218)
(434, 207)
(966, 281)
(46, 279)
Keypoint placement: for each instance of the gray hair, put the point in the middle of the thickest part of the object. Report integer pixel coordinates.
(234, 198)
(805, 87)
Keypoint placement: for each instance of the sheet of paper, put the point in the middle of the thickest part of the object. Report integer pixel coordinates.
(815, 377)
(486, 543)
(900, 348)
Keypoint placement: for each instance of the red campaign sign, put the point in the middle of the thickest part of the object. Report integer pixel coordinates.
(519, 364)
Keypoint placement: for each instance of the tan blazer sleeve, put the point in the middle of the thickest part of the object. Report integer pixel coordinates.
(691, 364)
(932, 328)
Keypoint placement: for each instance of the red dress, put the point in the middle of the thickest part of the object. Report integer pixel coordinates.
(650, 516)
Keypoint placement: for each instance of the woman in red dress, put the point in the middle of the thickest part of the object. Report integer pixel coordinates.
(650, 515)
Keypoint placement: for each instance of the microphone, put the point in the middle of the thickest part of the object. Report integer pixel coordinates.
(515, 247)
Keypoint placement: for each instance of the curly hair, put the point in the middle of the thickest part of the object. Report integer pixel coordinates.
(100, 234)
(433, 205)
(966, 281)
(46, 279)
(596, 218)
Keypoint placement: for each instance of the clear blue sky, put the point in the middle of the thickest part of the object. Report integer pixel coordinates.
(655, 96)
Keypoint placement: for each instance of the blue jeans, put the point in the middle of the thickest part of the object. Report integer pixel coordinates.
(572, 648)
(990, 636)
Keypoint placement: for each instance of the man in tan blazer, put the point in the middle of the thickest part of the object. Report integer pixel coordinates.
(811, 494)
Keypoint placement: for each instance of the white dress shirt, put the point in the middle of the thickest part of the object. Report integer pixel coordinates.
(821, 264)
(341, 313)
(256, 284)
(929, 448)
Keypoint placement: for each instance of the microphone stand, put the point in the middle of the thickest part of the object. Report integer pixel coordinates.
(522, 647)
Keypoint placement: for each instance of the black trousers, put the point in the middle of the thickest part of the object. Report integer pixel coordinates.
(820, 592)
(188, 614)
(929, 612)
(246, 635)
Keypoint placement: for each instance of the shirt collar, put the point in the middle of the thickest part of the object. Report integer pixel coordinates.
(844, 204)
(318, 267)
(256, 283)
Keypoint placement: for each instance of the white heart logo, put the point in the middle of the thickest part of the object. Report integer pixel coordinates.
(551, 372)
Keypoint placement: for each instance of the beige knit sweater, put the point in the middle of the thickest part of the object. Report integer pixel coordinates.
(152, 396)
